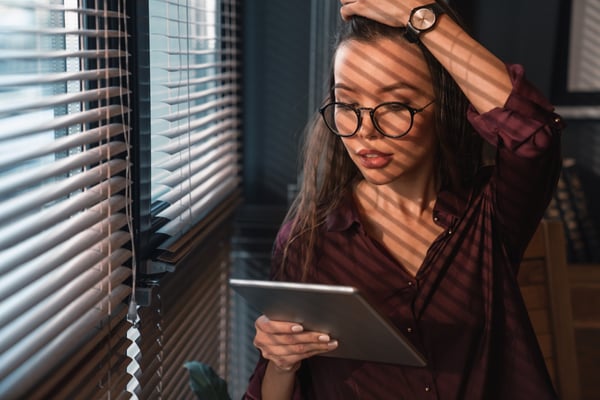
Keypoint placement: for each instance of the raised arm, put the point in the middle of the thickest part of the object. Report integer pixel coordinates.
(480, 74)
(507, 111)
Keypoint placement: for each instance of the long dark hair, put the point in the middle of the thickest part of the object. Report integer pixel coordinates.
(328, 173)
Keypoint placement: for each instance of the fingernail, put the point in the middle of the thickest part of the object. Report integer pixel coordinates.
(297, 328)
(333, 344)
(324, 338)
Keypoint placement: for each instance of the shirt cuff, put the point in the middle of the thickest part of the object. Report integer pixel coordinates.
(525, 124)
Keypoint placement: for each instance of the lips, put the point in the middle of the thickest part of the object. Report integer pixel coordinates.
(373, 159)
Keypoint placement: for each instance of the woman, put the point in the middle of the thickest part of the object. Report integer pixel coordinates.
(396, 201)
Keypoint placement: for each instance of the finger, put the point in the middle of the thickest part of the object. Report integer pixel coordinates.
(293, 338)
(388, 13)
(293, 343)
(292, 361)
(347, 10)
(263, 323)
(293, 352)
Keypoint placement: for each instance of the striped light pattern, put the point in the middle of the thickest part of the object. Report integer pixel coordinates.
(64, 199)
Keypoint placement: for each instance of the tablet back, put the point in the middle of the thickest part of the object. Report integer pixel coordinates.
(339, 311)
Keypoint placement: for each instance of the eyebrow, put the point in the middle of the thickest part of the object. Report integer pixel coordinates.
(385, 89)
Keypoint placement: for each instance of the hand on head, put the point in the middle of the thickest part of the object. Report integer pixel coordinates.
(388, 12)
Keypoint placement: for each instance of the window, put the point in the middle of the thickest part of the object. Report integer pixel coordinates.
(64, 199)
(119, 122)
(191, 126)
(194, 118)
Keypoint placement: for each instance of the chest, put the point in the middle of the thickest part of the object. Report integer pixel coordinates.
(407, 241)
(414, 264)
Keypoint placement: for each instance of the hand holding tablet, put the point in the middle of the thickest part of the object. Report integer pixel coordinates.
(337, 311)
(286, 344)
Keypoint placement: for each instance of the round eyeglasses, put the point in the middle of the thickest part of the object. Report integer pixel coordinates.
(391, 119)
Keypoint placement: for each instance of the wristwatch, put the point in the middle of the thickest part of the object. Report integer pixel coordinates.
(422, 19)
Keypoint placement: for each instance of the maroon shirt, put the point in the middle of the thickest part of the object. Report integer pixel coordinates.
(463, 310)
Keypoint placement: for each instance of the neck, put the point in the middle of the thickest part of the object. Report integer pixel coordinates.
(414, 197)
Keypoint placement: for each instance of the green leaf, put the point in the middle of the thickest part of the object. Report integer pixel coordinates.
(205, 382)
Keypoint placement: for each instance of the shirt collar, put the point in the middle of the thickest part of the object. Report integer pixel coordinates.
(344, 216)
(449, 207)
(452, 204)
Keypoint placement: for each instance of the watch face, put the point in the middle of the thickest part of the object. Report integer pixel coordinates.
(423, 19)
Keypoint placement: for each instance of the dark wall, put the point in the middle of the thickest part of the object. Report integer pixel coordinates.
(521, 32)
(276, 55)
(530, 32)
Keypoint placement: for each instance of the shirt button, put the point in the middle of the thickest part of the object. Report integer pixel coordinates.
(449, 231)
(410, 283)
(427, 388)
(436, 219)
(409, 330)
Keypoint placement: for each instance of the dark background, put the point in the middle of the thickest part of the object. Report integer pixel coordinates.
(277, 48)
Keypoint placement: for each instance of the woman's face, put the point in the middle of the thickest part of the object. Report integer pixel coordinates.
(370, 73)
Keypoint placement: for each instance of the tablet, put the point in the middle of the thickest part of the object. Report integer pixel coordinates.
(340, 311)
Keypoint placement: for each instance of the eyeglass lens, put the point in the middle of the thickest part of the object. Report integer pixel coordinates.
(392, 119)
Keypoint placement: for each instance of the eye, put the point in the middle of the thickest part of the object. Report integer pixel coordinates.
(347, 101)
(395, 106)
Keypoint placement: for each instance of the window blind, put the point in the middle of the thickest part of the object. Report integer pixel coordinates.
(195, 116)
(64, 199)
(186, 321)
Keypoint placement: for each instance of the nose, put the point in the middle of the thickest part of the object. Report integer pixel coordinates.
(367, 128)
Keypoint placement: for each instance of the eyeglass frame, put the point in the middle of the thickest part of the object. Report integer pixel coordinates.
(358, 110)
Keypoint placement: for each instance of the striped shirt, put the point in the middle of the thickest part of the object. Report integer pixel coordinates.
(463, 310)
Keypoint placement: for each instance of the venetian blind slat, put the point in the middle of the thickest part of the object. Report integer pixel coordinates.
(179, 144)
(62, 99)
(64, 143)
(18, 354)
(50, 123)
(20, 204)
(31, 225)
(33, 318)
(98, 257)
(217, 155)
(66, 342)
(63, 381)
(199, 182)
(23, 263)
(221, 77)
(181, 156)
(201, 204)
(17, 80)
(229, 113)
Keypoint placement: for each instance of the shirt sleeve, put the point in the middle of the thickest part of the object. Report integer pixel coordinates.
(254, 389)
(526, 133)
(526, 125)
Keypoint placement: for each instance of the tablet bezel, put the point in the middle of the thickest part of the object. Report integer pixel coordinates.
(340, 311)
